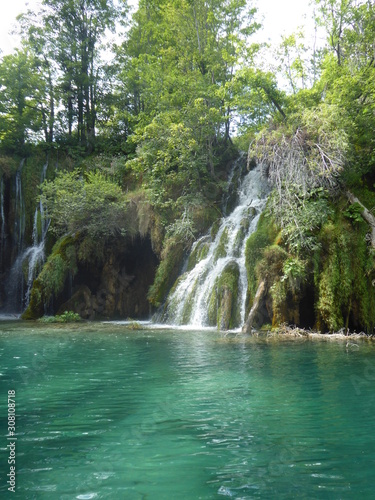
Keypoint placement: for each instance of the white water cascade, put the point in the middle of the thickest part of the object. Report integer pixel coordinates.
(20, 216)
(31, 259)
(189, 303)
(2, 216)
(36, 253)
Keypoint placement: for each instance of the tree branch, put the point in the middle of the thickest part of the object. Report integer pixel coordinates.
(366, 214)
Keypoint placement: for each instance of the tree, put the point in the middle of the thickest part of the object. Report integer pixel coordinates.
(22, 100)
(92, 205)
(348, 77)
(291, 62)
(65, 35)
(181, 56)
(335, 15)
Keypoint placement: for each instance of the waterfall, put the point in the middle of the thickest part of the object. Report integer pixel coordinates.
(36, 254)
(20, 216)
(30, 260)
(194, 295)
(232, 184)
(2, 215)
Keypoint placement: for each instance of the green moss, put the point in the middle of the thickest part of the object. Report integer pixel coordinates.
(213, 307)
(365, 195)
(204, 216)
(243, 230)
(223, 307)
(199, 253)
(264, 236)
(215, 228)
(52, 278)
(221, 250)
(344, 275)
(270, 267)
(66, 317)
(8, 165)
(240, 236)
(339, 273)
(35, 308)
(188, 306)
(167, 272)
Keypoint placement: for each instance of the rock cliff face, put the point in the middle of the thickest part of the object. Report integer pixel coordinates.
(115, 289)
(114, 286)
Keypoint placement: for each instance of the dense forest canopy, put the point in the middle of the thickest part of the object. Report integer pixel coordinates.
(186, 89)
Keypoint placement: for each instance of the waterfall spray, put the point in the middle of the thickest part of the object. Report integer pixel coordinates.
(20, 216)
(30, 259)
(196, 292)
(2, 215)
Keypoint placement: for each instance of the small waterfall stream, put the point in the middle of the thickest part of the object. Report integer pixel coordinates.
(20, 215)
(191, 300)
(29, 261)
(2, 215)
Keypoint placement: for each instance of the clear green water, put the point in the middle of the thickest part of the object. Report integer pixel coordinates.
(107, 413)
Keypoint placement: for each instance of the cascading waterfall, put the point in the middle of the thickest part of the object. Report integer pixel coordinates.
(20, 215)
(233, 179)
(36, 254)
(2, 215)
(15, 283)
(31, 259)
(196, 292)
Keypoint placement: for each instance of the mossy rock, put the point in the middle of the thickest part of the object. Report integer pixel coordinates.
(204, 216)
(188, 306)
(344, 274)
(79, 303)
(221, 250)
(52, 278)
(199, 252)
(167, 272)
(8, 165)
(239, 239)
(270, 267)
(35, 308)
(215, 228)
(223, 307)
(265, 235)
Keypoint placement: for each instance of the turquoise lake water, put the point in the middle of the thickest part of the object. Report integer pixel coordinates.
(104, 412)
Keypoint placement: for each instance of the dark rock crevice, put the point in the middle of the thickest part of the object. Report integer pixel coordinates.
(116, 288)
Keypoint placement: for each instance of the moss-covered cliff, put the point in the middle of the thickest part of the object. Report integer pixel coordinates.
(330, 287)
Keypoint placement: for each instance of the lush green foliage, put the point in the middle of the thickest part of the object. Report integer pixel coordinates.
(63, 39)
(21, 89)
(323, 145)
(167, 273)
(183, 82)
(66, 317)
(223, 306)
(265, 235)
(86, 204)
(51, 281)
(344, 274)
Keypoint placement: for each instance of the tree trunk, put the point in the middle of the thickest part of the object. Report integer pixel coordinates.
(247, 327)
(51, 120)
(366, 214)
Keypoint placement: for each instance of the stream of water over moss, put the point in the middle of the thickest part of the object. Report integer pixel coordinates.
(107, 412)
